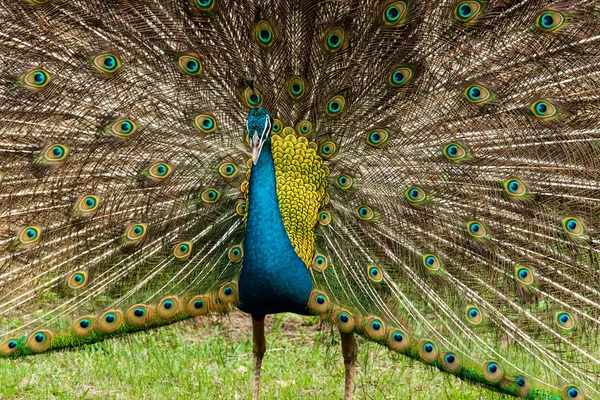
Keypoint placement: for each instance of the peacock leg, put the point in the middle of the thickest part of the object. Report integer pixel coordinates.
(349, 348)
(258, 350)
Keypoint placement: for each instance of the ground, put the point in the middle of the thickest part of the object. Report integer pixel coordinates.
(211, 358)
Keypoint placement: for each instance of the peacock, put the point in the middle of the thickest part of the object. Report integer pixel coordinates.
(425, 174)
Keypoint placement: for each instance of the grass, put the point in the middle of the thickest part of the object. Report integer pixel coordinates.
(211, 358)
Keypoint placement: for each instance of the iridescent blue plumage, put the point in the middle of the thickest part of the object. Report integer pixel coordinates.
(273, 278)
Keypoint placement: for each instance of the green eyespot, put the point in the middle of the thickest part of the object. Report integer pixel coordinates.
(378, 137)
(328, 149)
(235, 253)
(159, 171)
(29, 235)
(324, 218)
(296, 87)
(479, 94)
(106, 62)
(77, 279)
(240, 207)
(304, 127)
(515, 188)
(544, 109)
(344, 182)
(55, 153)
(524, 275)
(205, 123)
(467, 11)
(122, 128)
(319, 262)
(476, 229)
(400, 76)
(474, 315)
(550, 21)
(183, 250)
(375, 273)
(365, 213)
(454, 152)
(335, 105)
(431, 262)
(574, 227)
(334, 39)
(264, 33)
(276, 125)
(415, 195)
(36, 78)
(228, 170)
(203, 5)
(394, 14)
(136, 232)
(88, 204)
(253, 97)
(210, 196)
(189, 64)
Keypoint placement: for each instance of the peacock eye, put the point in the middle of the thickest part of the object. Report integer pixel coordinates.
(56, 153)
(365, 213)
(240, 207)
(515, 188)
(573, 226)
(106, 62)
(572, 392)
(378, 137)
(550, 21)
(431, 262)
(264, 33)
(203, 5)
(253, 97)
(205, 123)
(324, 218)
(228, 170)
(328, 149)
(319, 262)
(474, 315)
(476, 229)
(159, 171)
(394, 14)
(276, 125)
(296, 87)
(36, 78)
(136, 232)
(29, 235)
(235, 253)
(334, 39)
(524, 275)
(210, 195)
(565, 320)
(88, 204)
(304, 127)
(455, 152)
(77, 279)
(375, 273)
(467, 10)
(400, 76)
(190, 64)
(122, 128)
(415, 195)
(182, 250)
(479, 94)
(335, 105)
(344, 181)
(543, 109)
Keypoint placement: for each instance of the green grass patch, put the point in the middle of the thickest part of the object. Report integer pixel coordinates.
(211, 358)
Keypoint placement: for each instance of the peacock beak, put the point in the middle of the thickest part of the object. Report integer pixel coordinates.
(257, 142)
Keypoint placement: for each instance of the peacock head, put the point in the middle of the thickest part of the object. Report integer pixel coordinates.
(259, 128)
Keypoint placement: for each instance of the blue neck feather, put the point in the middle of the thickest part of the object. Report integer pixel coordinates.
(273, 279)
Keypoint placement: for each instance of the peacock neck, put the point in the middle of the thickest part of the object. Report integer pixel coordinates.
(273, 278)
